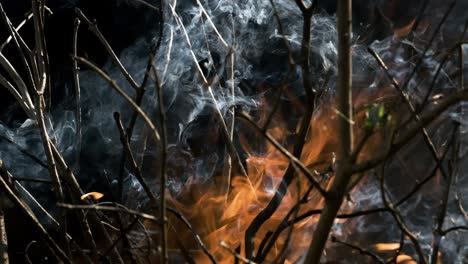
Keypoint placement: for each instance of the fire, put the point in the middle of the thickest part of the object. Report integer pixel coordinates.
(402, 32)
(218, 218)
(386, 246)
(405, 259)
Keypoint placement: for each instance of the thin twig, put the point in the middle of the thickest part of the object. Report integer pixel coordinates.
(131, 159)
(110, 209)
(208, 85)
(28, 17)
(23, 96)
(77, 192)
(289, 175)
(291, 68)
(95, 30)
(270, 239)
(14, 34)
(76, 79)
(402, 200)
(454, 228)
(52, 166)
(122, 235)
(188, 257)
(361, 250)
(168, 57)
(148, 5)
(197, 237)
(58, 252)
(409, 104)
(441, 215)
(398, 219)
(438, 232)
(19, 98)
(24, 151)
(235, 254)
(212, 24)
(286, 153)
(444, 60)
(227, 173)
(36, 180)
(119, 90)
(163, 164)
(425, 119)
(404, 86)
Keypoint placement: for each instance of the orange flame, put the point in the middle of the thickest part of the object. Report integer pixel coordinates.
(217, 219)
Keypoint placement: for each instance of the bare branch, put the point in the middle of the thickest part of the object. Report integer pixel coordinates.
(235, 254)
(455, 228)
(76, 79)
(428, 46)
(95, 30)
(119, 90)
(110, 209)
(288, 177)
(345, 136)
(59, 253)
(425, 119)
(399, 220)
(361, 250)
(131, 159)
(163, 176)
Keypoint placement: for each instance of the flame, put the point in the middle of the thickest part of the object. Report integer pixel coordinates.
(386, 246)
(219, 218)
(402, 32)
(405, 259)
